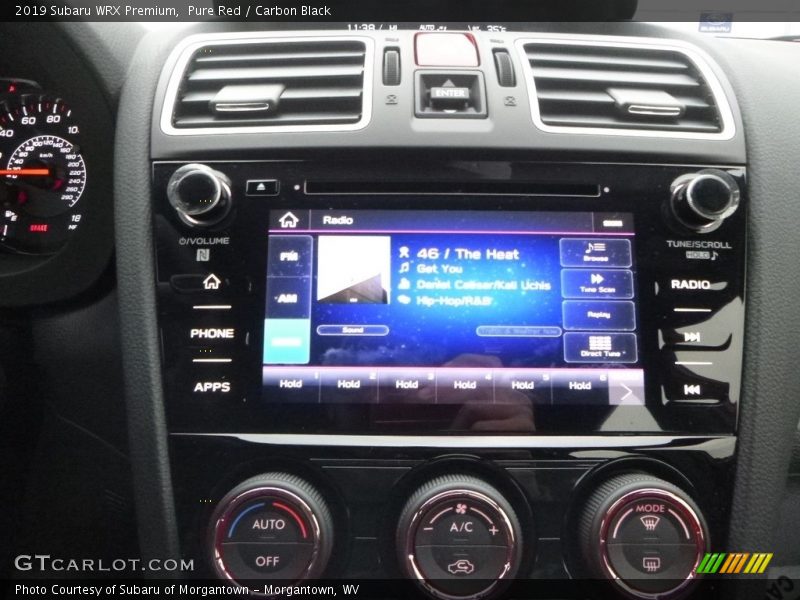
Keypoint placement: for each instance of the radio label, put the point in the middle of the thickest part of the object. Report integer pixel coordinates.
(690, 284)
(697, 285)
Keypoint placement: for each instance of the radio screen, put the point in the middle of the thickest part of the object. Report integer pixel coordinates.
(435, 307)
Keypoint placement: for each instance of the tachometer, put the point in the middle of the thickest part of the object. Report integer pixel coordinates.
(42, 173)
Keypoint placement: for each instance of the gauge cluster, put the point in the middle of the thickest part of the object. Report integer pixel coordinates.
(43, 171)
(56, 171)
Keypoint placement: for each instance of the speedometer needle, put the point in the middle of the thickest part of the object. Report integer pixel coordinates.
(25, 172)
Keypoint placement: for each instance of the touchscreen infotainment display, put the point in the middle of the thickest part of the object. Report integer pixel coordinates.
(436, 307)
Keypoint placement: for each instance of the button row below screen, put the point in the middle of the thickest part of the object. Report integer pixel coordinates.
(454, 386)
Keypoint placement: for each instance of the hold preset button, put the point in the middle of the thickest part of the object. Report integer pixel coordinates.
(292, 385)
(407, 385)
(509, 385)
(580, 387)
(465, 385)
(349, 385)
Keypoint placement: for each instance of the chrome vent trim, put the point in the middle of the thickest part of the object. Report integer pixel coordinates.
(184, 53)
(696, 57)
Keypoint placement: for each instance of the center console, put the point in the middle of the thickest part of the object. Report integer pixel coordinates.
(460, 373)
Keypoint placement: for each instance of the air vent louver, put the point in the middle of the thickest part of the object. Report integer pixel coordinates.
(621, 87)
(304, 84)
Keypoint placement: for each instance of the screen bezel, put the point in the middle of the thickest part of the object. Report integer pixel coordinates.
(634, 189)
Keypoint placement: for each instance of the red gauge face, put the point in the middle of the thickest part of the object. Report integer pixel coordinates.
(42, 174)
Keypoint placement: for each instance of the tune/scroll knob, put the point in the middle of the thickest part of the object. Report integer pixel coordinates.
(199, 194)
(702, 201)
(274, 526)
(644, 534)
(459, 538)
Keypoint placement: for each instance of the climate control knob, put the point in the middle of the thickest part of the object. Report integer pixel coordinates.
(273, 526)
(701, 201)
(644, 534)
(458, 537)
(200, 195)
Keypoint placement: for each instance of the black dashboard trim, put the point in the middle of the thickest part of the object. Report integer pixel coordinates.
(139, 331)
(771, 379)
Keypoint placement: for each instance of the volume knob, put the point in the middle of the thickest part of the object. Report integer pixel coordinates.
(701, 201)
(200, 195)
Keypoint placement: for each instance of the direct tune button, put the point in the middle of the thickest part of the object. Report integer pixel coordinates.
(459, 538)
(644, 534)
(271, 526)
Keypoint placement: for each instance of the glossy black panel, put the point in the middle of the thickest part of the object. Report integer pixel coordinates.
(690, 290)
(366, 487)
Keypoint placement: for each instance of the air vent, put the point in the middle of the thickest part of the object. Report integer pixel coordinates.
(624, 88)
(269, 85)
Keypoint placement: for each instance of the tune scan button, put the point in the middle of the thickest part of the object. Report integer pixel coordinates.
(459, 538)
(272, 526)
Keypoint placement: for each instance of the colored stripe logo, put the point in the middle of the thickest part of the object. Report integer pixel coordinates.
(734, 562)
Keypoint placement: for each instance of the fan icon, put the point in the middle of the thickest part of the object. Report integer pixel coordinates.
(461, 509)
